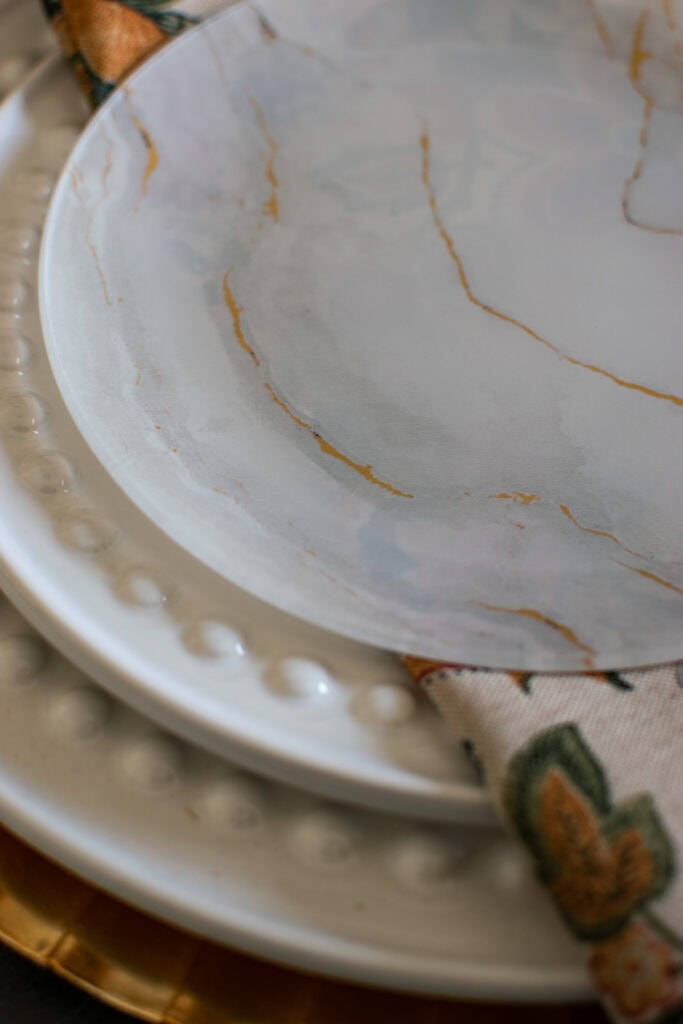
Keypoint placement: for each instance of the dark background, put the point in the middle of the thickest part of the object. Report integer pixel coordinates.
(34, 995)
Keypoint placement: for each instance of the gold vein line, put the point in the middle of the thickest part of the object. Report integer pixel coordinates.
(271, 207)
(639, 55)
(673, 25)
(108, 163)
(601, 27)
(98, 268)
(236, 314)
(536, 616)
(271, 35)
(108, 167)
(88, 238)
(669, 14)
(326, 448)
(519, 497)
(425, 145)
(152, 155)
(650, 576)
(152, 151)
(635, 176)
(597, 533)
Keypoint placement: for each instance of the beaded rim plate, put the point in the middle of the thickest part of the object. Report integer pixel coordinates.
(140, 615)
(26, 39)
(262, 867)
(372, 285)
(145, 967)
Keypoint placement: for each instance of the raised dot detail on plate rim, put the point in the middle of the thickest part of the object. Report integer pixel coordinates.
(505, 862)
(53, 462)
(22, 352)
(30, 413)
(80, 713)
(142, 587)
(214, 637)
(16, 230)
(35, 184)
(153, 763)
(426, 863)
(98, 535)
(323, 839)
(30, 655)
(300, 678)
(14, 294)
(234, 805)
(384, 704)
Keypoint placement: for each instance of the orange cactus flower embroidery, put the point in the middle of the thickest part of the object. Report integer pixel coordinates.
(602, 862)
(636, 971)
(105, 39)
(598, 879)
(111, 37)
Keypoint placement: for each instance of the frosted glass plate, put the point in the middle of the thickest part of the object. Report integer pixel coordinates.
(153, 624)
(375, 308)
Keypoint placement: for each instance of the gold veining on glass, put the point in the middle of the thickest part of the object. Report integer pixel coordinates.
(271, 207)
(148, 142)
(537, 616)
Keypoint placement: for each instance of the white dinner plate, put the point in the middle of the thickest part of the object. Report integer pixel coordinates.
(374, 308)
(26, 38)
(147, 619)
(262, 867)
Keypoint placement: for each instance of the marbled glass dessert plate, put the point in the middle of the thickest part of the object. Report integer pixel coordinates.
(147, 619)
(374, 308)
(261, 866)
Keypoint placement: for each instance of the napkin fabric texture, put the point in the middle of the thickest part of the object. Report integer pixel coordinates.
(585, 769)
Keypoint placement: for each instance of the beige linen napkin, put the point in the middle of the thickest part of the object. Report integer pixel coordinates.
(585, 769)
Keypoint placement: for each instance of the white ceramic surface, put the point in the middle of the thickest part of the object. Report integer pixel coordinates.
(148, 620)
(265, 868)
(374, 307)
(25, 39)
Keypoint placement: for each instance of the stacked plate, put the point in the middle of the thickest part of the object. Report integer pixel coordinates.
(262, 421)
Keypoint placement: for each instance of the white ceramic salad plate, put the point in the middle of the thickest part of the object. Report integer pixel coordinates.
(374, 308)
(147, 619)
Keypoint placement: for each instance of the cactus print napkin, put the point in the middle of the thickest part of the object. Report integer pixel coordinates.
(104, 40)
(585, 769)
